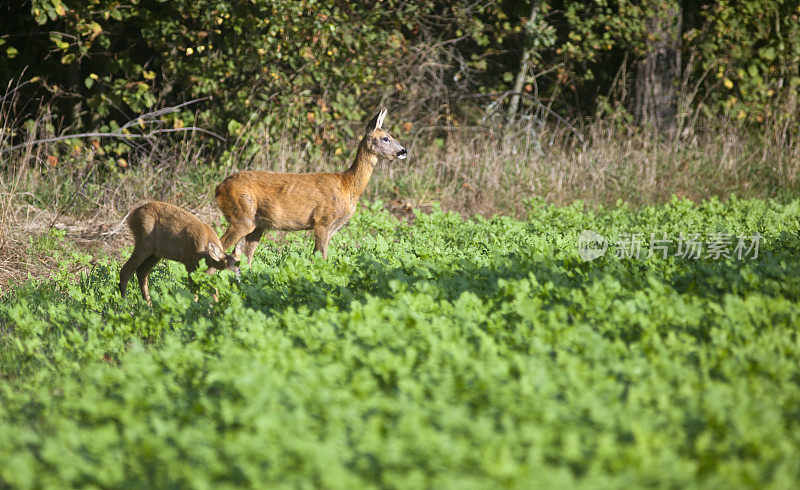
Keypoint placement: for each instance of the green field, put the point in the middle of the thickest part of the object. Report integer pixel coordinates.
(445, 353)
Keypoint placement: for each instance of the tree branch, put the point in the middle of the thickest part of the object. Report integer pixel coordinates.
(148, 118)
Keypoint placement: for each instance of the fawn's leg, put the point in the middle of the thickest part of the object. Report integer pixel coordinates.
(142, 274)
(138, 256)
(191, 267)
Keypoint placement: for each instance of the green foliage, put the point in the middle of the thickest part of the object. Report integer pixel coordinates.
(446, 352)
(287, 66)
(753, 49)
(743, 57)
(600, 26)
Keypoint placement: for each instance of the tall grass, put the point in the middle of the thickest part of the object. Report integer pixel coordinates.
(478, 169)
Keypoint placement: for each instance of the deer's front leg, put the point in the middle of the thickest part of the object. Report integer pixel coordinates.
(322, 235)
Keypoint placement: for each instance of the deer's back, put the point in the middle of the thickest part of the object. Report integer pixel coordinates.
(169, 231)
(283, 201)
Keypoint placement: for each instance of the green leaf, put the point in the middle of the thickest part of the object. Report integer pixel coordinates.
(768, 53)
(234, 126)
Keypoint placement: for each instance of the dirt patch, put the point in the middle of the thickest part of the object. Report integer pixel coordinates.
(27, 251)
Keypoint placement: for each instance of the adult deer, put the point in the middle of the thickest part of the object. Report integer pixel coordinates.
(324, 202)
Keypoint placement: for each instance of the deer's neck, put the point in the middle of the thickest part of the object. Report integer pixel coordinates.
(356, 177)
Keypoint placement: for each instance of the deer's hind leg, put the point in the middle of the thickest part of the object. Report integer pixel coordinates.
(139, 255)
(142, 274)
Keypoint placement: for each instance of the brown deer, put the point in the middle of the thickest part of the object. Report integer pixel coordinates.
(164, 231)
(324, 202)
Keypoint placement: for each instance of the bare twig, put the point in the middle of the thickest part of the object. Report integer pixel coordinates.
(149, 118)
(539, 104)
(561, 120)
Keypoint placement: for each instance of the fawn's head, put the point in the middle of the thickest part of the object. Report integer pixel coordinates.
(221, 259)
(379, 142)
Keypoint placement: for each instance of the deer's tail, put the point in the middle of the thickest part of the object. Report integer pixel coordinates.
(119, 226)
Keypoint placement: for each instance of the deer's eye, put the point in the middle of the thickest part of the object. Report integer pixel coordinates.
(385, 138)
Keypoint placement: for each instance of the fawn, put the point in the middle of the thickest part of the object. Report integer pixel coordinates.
(324, 202)
(164, 231)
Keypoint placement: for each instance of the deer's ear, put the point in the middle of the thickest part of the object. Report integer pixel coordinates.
(377, 121)
(215, 252)
(381, 117)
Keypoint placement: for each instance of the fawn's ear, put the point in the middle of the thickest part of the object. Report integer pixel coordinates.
(377, 121)
(215, 252)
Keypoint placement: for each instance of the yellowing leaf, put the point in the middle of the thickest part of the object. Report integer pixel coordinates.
(96, 30)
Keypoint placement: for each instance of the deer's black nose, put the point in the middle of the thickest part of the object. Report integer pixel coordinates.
(402, 153)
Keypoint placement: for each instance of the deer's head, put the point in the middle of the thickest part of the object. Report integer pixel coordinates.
(220, 259)
(379, 142)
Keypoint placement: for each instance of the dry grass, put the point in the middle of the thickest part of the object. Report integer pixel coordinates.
(471, 170)
(34, 249)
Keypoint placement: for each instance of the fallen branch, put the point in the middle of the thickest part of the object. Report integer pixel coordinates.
(149, 118)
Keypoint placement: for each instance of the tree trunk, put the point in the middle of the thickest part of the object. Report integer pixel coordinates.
(523, 68)
(658, 72)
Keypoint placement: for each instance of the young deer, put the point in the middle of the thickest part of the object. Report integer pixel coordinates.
(163, 231)
(324, 202)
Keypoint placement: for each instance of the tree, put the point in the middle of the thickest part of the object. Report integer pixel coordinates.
(523, 67)
(659, 69)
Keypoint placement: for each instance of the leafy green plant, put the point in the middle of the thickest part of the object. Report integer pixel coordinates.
(443, 352)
